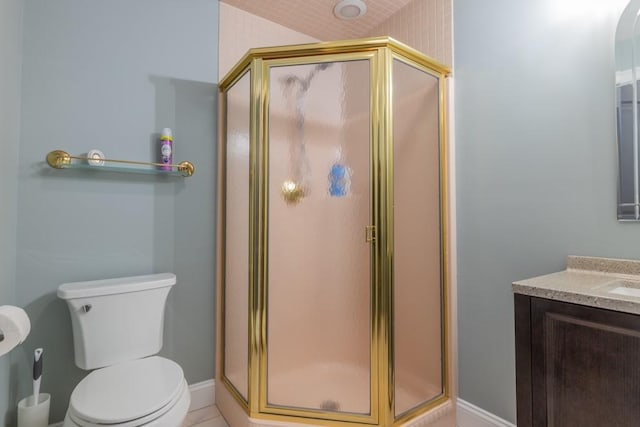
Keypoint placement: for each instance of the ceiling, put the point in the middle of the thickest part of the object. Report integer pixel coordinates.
(316, 19)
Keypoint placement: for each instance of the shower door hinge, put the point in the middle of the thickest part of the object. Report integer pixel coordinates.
(370, 233)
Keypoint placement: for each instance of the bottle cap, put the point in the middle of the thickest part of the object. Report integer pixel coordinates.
(166, 133)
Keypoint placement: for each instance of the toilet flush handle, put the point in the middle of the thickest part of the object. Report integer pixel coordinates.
(86, 308)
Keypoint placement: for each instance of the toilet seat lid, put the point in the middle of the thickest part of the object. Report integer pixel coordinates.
(126, 391)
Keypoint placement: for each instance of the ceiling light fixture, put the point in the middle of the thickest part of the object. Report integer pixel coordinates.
(350, 9)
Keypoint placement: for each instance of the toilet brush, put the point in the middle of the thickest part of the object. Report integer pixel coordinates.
(33, 411)
(37, 374)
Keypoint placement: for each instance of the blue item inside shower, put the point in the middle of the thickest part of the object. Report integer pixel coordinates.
(339, 180)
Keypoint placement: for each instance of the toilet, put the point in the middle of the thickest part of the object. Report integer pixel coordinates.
(117, 330)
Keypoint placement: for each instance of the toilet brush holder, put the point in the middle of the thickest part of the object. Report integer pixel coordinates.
(30, 415)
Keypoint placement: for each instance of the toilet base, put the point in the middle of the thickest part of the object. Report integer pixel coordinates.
(174, 417)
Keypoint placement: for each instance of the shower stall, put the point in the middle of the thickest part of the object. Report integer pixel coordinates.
(333, 296)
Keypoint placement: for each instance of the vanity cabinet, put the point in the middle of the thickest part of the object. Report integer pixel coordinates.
(576, 365)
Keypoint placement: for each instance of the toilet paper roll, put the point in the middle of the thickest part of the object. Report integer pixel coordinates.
(14, 327)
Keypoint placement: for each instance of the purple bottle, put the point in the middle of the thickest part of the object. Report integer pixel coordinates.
(166, 149)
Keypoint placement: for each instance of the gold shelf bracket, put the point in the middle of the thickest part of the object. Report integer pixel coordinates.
(58, 159)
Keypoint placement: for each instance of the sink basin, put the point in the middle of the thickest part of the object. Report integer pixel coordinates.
(626, 288)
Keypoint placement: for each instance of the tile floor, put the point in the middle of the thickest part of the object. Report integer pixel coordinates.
(205, 417)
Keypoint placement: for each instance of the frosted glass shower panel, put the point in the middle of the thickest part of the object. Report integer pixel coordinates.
(417, 295)
(236, 263)
(318, 316)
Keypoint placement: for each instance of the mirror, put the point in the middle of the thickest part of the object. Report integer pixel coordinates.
(627, 97)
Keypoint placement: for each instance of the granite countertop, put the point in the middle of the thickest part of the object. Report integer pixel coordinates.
(589, 281)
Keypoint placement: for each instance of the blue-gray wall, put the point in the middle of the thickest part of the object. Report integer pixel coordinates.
(536, 166)
(10, 66)
(110, 75)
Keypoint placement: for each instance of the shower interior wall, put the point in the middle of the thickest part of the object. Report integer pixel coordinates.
(425, 25)
(240, 31)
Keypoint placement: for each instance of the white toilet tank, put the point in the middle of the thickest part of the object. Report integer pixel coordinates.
(115, 320)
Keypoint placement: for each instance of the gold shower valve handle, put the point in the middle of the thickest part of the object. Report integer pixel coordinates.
(370, 233)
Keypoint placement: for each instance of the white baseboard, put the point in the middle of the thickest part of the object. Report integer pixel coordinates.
(469, 415)
(202, 394)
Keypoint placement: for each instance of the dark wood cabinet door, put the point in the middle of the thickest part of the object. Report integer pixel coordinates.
(585, 366)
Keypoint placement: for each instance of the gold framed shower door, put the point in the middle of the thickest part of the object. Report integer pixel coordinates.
(380, 52)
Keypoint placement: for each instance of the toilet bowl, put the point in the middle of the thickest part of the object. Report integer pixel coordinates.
(144, 392)
(117, 330)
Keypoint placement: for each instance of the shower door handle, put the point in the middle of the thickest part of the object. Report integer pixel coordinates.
(370, 233)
